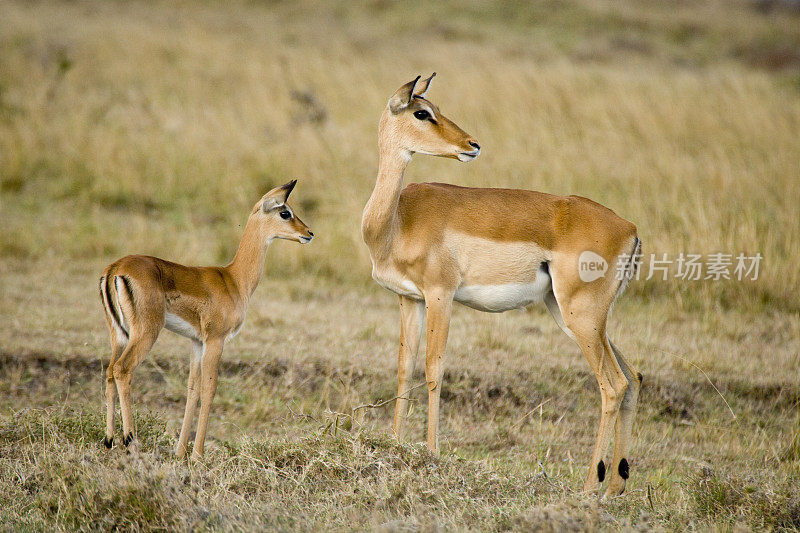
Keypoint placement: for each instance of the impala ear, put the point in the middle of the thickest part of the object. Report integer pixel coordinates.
(423, 86)
(277, 196)
(402, 97)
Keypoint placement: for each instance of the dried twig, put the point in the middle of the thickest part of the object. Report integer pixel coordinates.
(301, 416)
(705, 376)
(339, 416)
(529, 413)
(381, 403)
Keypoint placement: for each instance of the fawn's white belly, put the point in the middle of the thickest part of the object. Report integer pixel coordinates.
(178, 325)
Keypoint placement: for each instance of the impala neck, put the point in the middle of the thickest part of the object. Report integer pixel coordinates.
(380, 214)
(248, 263)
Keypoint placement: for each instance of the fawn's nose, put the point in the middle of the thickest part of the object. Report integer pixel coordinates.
(311, 233)
(475, 145)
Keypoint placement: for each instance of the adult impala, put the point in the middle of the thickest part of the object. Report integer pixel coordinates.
(493, 250)
(142, 294)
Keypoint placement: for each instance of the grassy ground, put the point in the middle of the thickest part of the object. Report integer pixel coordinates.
(152, 128)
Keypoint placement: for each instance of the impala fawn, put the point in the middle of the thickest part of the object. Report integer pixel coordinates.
(142, 294)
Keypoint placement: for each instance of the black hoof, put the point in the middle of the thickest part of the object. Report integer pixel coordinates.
(623, 469)
(127, 439)
(601, 471)
(108, 443)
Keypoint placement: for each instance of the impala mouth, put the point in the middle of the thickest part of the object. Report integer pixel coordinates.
(305, 240)
(468, 156)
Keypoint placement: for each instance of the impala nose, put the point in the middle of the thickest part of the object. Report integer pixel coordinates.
(472, 154)
(311, 233)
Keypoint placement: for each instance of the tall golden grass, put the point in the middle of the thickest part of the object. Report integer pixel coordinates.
(152, 128)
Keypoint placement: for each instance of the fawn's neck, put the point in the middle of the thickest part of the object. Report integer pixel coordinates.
(248, 263)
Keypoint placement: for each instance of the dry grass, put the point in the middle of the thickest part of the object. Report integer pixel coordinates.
(133, 127)
(142, 120)
(519, 415)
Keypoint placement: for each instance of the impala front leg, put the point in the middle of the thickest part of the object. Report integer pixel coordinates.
(412, 315)
(192, 395)
(438, 306)
(208, 379)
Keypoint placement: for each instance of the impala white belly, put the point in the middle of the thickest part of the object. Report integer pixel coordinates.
(494, 276)
(499, 276)
(178, 325)
(499, 298)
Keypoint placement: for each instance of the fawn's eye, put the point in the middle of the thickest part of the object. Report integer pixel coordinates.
(422, 114)
(286, 215)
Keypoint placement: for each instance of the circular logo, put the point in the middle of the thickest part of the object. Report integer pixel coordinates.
(591, 266)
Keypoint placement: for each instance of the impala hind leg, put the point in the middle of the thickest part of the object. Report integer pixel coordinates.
(439, 306)
(144, 315)
(612, 385)
(412, 316)
(586, 321)
(111, 388)
(192, 395)
(138, 347)
(622, 434)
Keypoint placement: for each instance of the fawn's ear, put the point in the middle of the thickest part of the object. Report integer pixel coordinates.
(277, 196)
(402, 97)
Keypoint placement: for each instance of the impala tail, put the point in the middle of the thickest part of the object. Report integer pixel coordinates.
(111, 305)
(631, 267)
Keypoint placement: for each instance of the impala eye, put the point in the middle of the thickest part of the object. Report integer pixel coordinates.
(286, 215)
(422, 114)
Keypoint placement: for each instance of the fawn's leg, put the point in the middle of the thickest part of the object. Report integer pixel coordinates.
(192, 395)
(208, 378)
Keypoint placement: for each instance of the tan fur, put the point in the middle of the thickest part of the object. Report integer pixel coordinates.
(492, 249)
(143, 294)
